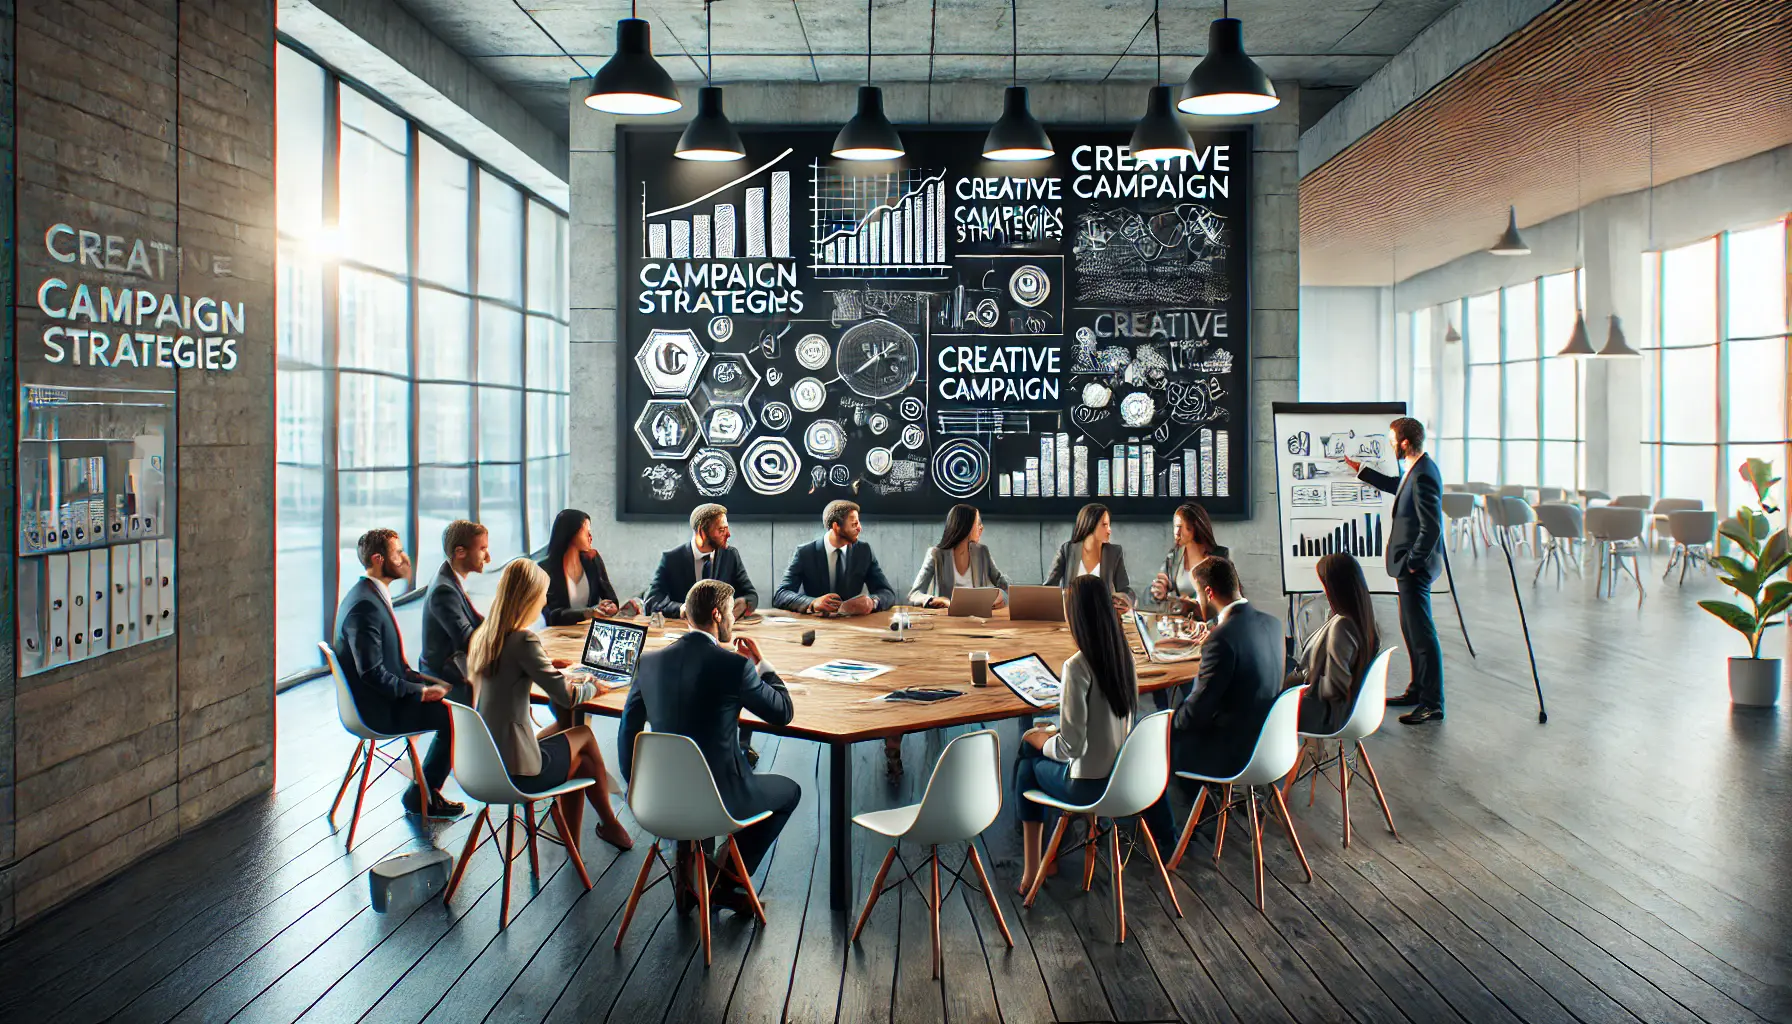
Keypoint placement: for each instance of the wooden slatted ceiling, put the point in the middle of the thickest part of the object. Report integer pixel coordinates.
(1433, 182)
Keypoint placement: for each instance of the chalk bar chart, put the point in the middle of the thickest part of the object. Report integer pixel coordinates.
(886, 225)
(715, 231)
(1317, 537)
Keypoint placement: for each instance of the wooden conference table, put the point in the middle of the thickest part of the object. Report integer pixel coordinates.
(839, 715)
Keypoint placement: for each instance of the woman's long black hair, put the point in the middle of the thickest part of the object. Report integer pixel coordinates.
(959, 523)
(1095, 627)
(1348, 594)
(1087, 519)
(1200, 526)
(566, 527)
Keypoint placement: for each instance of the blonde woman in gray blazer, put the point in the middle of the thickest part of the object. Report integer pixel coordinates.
(1088, 553)
(504, 659)
(959, 558)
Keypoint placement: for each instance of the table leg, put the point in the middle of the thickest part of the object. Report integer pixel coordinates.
(839, 825)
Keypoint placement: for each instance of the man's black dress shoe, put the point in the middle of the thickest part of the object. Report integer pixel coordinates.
(439, 806)
(1405, 700)
(1421, 714)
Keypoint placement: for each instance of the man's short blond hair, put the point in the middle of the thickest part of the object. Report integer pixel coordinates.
(706, 597)
(704, 516)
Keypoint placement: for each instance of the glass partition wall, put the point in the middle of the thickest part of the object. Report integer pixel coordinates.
(422, 333)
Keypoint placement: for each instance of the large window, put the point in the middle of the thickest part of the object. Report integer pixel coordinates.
(1719, 359)
(422, 331)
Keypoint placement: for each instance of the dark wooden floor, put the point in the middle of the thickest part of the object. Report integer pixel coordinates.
(1626, 862)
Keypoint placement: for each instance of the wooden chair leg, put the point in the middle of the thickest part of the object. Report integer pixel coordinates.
(1256, 846)
(877, 886)
(989, 893)
(1188, 829)
(1362, 754)
(933, 908)
(1157, 861)
(1091, 838)
(1299, 759)
(529, 830)
(509, 856)
(1219, 833)
(360, 795)
(410, 744)
(701, 865)
(570, 841)
(1051, 854)
(634, 895)
(354, 759)
(466, 853)
(1119, 876)
(1343, 793)
(1293, 838)
(746, 879)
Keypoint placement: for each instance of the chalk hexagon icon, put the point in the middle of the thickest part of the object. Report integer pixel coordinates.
(671, 361)
(729, 379)
(667, 428)
(727, 425)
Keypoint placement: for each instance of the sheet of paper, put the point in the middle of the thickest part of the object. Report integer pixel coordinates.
(844, 670)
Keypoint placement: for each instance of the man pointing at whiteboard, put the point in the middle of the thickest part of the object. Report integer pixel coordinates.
(1414, 558)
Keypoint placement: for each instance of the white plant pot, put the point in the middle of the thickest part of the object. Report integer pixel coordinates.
(1754, 682)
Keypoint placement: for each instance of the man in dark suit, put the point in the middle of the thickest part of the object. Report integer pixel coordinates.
(390, 696)
(449, 617)
(823, 572)
(696, 686)
(706, 557)
(1414, 558)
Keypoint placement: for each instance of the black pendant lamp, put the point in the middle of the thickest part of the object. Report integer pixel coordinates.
(1510, 242)
(709, 137)
(1579, 344)
(1452, 336)
(1018, 135)
(1227, 82)
(869, 135)
(1616, 345)
(632, 82)
(1160, 134)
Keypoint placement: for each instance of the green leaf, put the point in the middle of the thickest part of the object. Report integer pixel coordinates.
(1772, 607)
(1776, 547)
(1735, 532)
(1733, 566)
(1734, 617)
(1768, 569)
(1759, 474)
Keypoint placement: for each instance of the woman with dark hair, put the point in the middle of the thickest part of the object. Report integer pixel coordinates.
(578, 585)
(1088, 553)
(958, 560)
(1334, 659)
(1175, 584)
(1099, 695)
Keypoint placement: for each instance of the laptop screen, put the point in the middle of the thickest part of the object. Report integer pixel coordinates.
(613, 647)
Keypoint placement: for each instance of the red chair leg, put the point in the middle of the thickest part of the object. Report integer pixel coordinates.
(746, 879)
(360, 796)
(509, 858)
(989, 893)
(933, 908)
(1188, 828)
(570, 841)
(701, 865)
(1051, 854)
(347, 777)
(634, 895)
(877, 889)
(466, 853)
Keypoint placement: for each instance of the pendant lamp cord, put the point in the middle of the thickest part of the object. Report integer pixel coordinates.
(867, 42)
(1157, 36)
(1014, 51)
(709, 46)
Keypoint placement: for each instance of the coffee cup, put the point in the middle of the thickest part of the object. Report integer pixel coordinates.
(979, 668)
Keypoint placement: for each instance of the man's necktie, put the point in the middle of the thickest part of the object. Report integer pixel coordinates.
(706, 561)
(839, 570)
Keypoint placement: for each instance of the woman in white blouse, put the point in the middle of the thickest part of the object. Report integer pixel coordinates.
(1099, 697)
(958, 560)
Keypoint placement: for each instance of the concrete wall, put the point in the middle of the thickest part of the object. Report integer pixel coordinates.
(1024, 550)
(150, 119)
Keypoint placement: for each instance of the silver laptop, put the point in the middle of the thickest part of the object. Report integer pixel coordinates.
(1040, 604)
(612, 650)
(1147, 627)
(978, 601)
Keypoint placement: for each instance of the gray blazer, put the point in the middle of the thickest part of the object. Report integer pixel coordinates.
(1328, 660)
(935, 577)
(1113, 567)
(504, 699)
(1089, 734)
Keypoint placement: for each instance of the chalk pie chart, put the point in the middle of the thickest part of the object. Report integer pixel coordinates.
(771, 465)
(961, 467)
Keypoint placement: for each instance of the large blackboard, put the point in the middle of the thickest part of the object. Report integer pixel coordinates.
(1028, 337)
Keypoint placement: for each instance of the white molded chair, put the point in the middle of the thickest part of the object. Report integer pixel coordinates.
(367, 748)
(963, 797)
(1564, 524)
(674, 797)
(1693, 532)
(1141, 771)
(1617, 533)
(1365, 718)
(1459, 510)
(480, 771)
(1271, 759)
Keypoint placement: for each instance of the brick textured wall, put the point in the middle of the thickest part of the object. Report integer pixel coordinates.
(150, 119)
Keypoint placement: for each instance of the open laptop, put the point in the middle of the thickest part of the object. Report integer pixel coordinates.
(1040, 604)
(612, 649)
(1147, 627)
(978, 601)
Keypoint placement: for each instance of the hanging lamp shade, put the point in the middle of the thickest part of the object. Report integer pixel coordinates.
(1578, 342)
(869, 135)
(1511, 243)
(1616, 345)
(1160, 134)
(709, 136)
(1452, 336)
(1017, 135)
(1227, 82)
(631, 81)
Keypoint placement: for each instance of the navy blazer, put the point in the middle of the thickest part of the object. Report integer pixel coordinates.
(806, 578)
(559, 610)
(449, 620)
(1418, 518)
(695, 687)
(1242, 660)
(677, 574)
(371, 653)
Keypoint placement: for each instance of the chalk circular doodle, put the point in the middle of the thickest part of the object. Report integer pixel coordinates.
(987, 314)
(877, 359)
(840, 475)
(771, 465)
(721, 328)
(1097, 396)
(1029, 286)
(774, 376)
(961, 467)
(1085, 336)
(878, 461)
(775, 415)
(712, 470)
(912, 409)
(812, 351)
(808, 394)
(1137, 409)
(825, 439)
(878, 422)
(913, 436)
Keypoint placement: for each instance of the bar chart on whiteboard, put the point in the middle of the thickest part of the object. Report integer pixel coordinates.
(755, 227)
(879, 225)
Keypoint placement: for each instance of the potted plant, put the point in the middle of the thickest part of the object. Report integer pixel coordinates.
(1754, 680)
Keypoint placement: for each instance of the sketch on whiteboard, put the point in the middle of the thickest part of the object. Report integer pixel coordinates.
(1300, 443)
(961, 467)
(770, 465)
(663, 480)
(712, 470)
(1168, 257)
(775, 416)
(1306, 496)
(825, 439)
